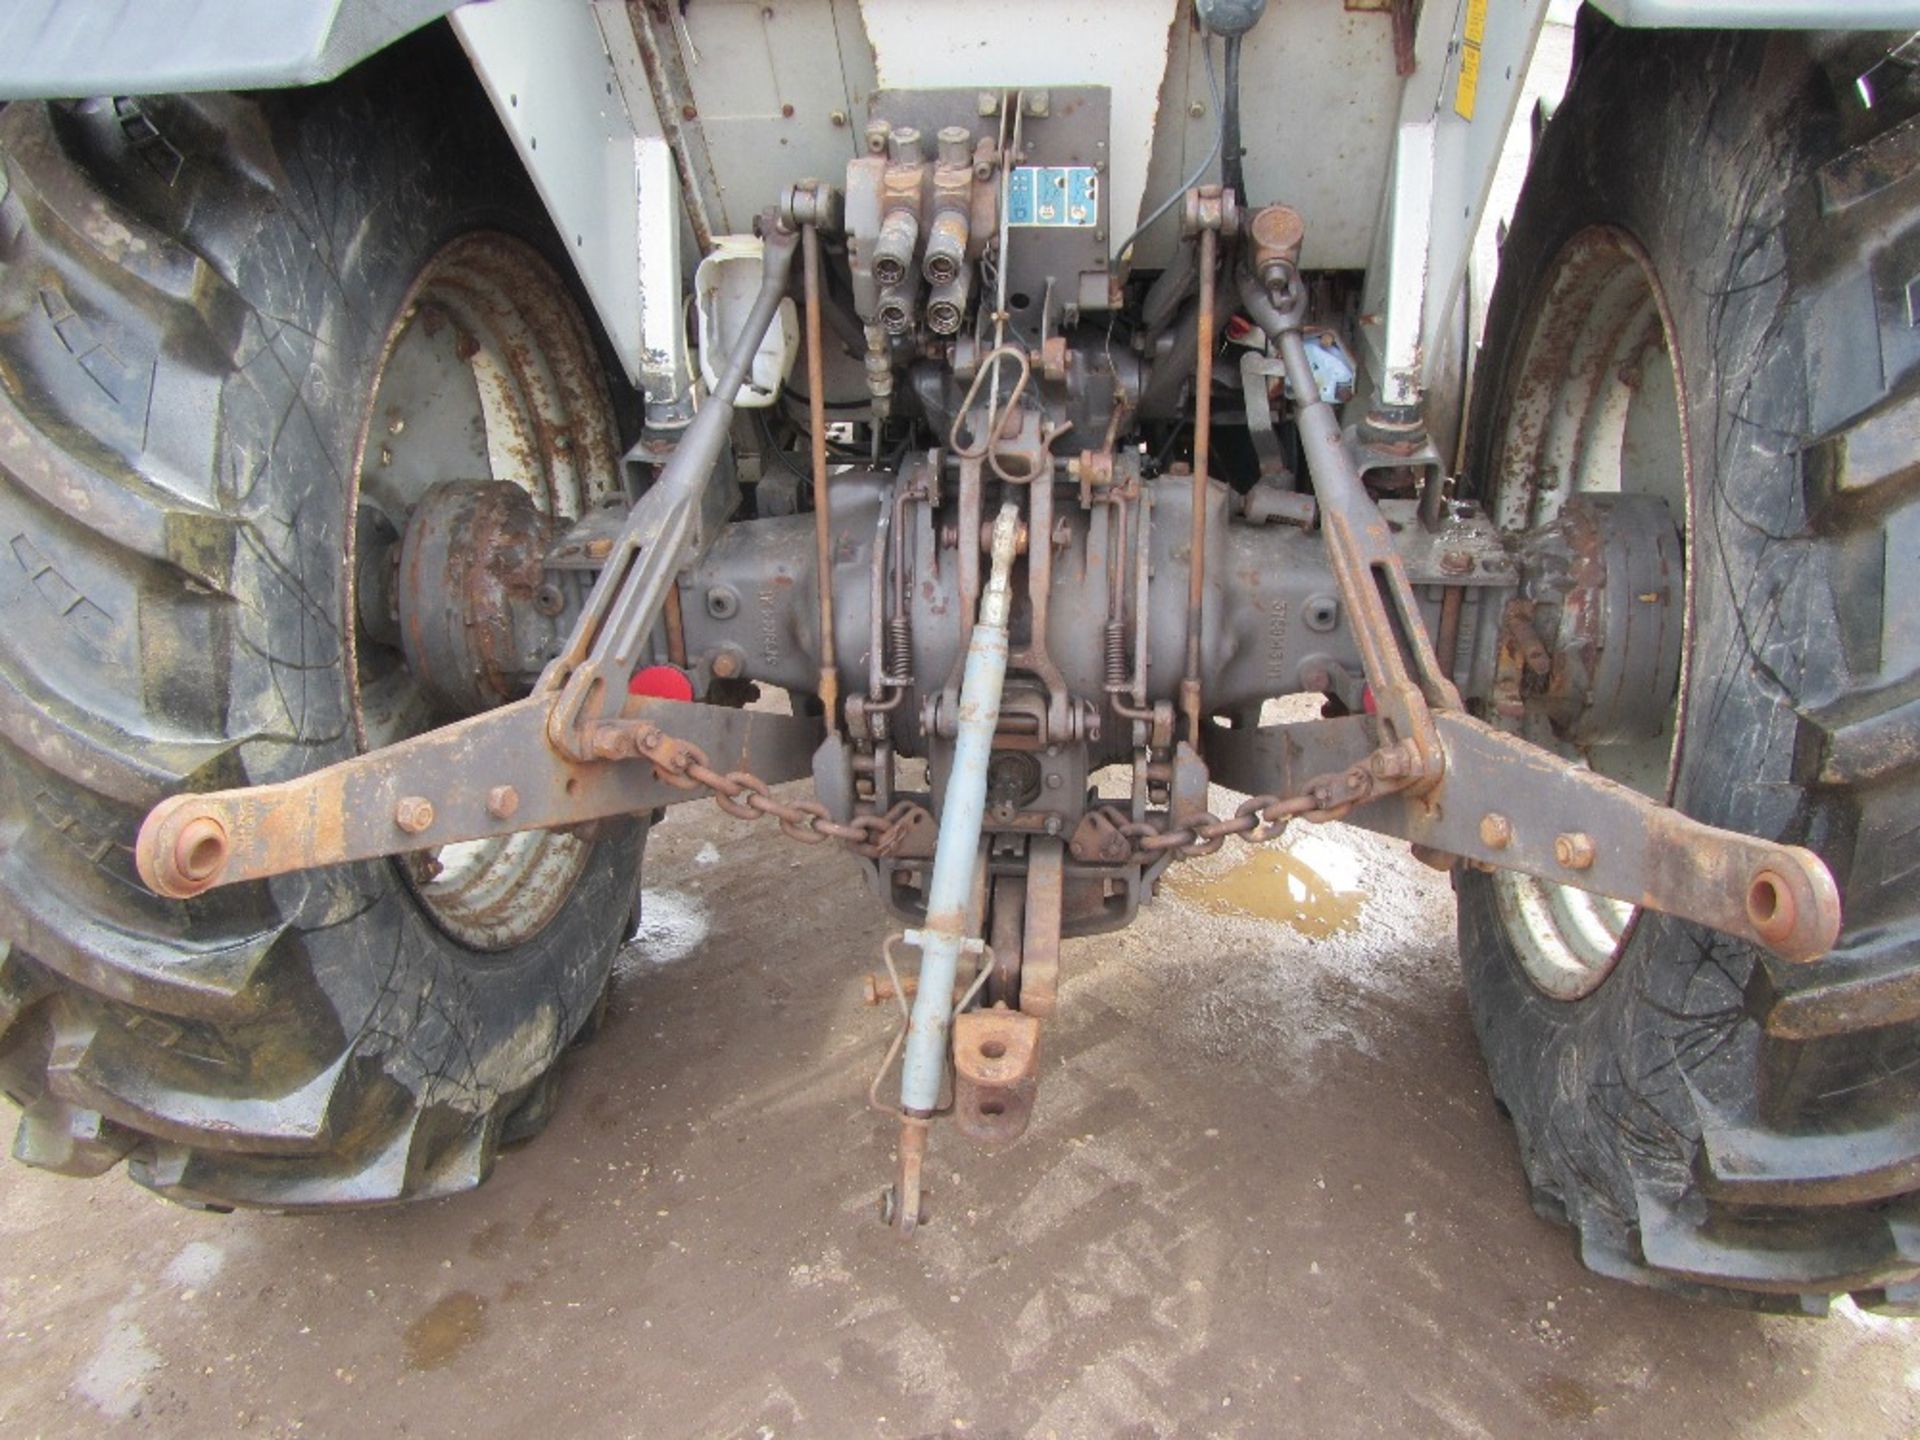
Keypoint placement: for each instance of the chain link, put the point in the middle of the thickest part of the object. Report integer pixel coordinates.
(745, 796)
(1257, 819)
(1260, 818)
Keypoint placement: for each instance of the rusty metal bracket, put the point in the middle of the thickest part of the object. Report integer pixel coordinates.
(533, 764)
(996, 1065)
(587, 681)
(1507, 803)
(492, 775)
(1373, 582)
(1040, 926)
(1488, 796)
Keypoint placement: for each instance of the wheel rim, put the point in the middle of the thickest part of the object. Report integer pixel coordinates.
(487, 372)
(1600, 408)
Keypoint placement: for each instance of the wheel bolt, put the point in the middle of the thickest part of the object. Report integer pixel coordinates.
(502, 801)
(1574, 850)
(1496, 831)
(413, 814)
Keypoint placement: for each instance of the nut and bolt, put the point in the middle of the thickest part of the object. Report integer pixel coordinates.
(1496, 831)
(1456, 562)
(1574, 850)
(502, 801)
(839, 119)
(1054, 825)
(610, 742)
(726, 665)
(413, 814)
(1388, 764)
(988, 103)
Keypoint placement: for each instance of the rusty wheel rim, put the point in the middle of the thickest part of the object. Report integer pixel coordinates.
(1601, 408)
(487, 372)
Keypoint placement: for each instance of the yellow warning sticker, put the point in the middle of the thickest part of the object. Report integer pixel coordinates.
(1469, 82)
(1472, 35)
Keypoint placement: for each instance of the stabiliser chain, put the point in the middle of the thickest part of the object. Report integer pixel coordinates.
(745, 796)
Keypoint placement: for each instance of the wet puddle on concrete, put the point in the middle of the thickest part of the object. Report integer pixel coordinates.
(1272, 884)
(438, 1337)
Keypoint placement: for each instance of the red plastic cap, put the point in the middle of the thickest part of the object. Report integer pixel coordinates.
(1366, 700)
(661, 682)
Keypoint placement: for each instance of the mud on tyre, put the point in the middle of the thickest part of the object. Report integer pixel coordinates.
(1716, 220)
(199, 298)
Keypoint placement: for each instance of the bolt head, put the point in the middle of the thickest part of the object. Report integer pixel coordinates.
(413, 813)
(502, 801)
(726, 665)
(1496, 831)
(1388, 764)
(1574, 850)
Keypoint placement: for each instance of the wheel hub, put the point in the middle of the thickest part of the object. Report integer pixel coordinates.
(487, 376)
(1593, 459)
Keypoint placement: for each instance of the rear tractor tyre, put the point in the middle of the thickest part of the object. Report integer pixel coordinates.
(1704, 299)
(239, 339)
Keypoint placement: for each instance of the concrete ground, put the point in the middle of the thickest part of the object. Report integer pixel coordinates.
(1265, 1193)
